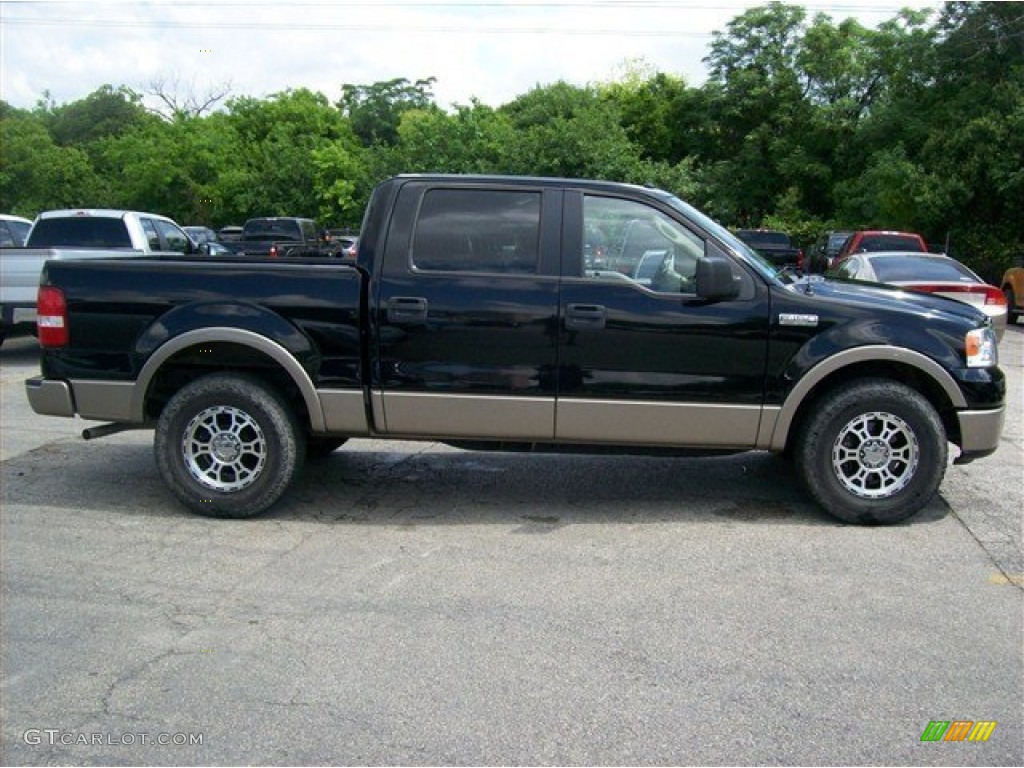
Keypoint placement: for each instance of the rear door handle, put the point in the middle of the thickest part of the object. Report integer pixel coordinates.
(407, 309)
(585, 317)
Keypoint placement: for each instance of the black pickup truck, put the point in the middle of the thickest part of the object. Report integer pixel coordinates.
(774, 246)
(472, 316)
(279, 236)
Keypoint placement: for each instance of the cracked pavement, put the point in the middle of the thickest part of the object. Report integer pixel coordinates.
(413, 604)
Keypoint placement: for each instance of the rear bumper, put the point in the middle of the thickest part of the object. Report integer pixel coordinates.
(18, 314)
(979, 433)
(49, 397)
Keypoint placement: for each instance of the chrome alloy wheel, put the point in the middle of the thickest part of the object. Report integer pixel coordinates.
(224, 448)
(875, 455)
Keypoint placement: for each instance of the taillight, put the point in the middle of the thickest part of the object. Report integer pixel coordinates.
(995, 297)
(52, 317)
(273, 252)
(800, 259)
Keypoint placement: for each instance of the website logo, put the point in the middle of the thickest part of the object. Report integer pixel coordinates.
(958, 730)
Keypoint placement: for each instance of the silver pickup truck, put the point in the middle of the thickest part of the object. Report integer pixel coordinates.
(78, 234)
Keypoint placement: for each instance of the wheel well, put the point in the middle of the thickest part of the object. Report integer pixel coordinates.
(199, 360)
(912, 377)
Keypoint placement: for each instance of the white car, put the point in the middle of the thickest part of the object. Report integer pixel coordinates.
(927, 272)
(13, 230)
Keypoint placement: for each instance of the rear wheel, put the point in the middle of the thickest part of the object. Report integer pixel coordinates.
(873, 452)
(228, 446)
(1011, 302)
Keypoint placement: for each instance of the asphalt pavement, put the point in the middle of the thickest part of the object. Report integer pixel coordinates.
(412, 604)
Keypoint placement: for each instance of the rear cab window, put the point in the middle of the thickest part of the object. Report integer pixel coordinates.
(80, 232)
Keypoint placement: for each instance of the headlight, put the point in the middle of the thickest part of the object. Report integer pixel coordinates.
(981, 348)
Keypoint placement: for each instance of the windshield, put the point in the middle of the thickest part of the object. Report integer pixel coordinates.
(762, 265)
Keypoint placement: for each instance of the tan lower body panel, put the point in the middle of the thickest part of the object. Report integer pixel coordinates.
(696, 425)
(621, 422)
(450, 415)
(344, 411)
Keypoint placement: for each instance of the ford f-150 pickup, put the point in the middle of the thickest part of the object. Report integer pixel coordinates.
(472, 316)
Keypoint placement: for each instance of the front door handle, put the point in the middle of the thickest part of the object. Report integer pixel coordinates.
(584, 317)
(407, 309)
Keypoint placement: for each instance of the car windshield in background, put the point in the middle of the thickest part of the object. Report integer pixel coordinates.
(890, 269)
(760, 239)
(889, 243)
(80, 232)
(272, 230)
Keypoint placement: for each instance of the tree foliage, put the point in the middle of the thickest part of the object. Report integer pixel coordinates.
(804, 123)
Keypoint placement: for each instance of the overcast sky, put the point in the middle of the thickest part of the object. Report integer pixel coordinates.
(492, 51)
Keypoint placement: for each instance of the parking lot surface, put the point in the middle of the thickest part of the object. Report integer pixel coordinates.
(413, 604)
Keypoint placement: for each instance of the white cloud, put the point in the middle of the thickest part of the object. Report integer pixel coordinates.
(491, 51)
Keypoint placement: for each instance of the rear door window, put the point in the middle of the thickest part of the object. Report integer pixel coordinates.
(472, 230)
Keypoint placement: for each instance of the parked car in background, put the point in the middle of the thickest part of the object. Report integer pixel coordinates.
(85, 233)
(927, 272)
(342, 243)
(201, 235)
(278, 236)
(13, 230)
(230, 233)
(774, 246)
(1013, 290)
(869, 240)
(825, 249)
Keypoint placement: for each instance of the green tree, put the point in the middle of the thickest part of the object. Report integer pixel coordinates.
(36, 174)
(376, 110)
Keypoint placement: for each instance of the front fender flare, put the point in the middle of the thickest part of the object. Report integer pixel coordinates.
(840, 360)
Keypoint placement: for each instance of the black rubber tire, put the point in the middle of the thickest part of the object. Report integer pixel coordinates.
(1011, 302)
(896, 470)
(260, 446)
(320, 447)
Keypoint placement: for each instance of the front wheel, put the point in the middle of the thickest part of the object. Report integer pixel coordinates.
(228, 446)
(1011, 303)
(873, 452)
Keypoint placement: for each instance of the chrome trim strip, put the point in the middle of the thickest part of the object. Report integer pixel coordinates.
(693, 425)
(271, 348)
(874, 353)
(344, 411)
(104, 400)
(50, 397)
(455, 415)
(980, 430)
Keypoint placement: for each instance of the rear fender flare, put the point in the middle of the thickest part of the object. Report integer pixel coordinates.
(269, 347)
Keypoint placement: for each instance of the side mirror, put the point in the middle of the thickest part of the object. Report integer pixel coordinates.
(204, 249)
(715, 280)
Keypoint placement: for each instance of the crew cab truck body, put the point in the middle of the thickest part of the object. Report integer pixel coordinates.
(82, 233)
(472, 317)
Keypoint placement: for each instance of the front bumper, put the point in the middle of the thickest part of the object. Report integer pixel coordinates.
(979, 433)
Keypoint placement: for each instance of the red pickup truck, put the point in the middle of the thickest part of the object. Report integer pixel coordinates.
(881, 240)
